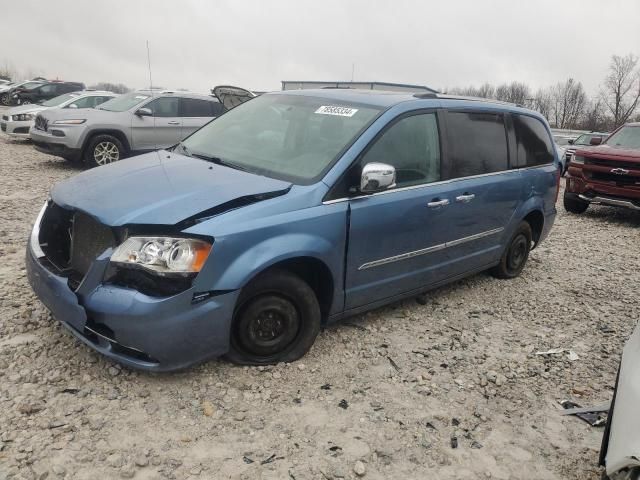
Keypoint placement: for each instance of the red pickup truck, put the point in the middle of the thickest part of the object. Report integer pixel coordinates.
(606, 174)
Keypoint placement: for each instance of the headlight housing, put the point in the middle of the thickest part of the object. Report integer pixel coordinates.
(71, 121)
(163, 255)
(577, 159)
(22, 117)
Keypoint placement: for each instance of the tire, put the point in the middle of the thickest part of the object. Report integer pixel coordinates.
(4, 99)
(102, 150)
(277, 319)
(516, 254)
(573, 204)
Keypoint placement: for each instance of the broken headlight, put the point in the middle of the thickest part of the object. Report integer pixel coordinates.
(164, 255)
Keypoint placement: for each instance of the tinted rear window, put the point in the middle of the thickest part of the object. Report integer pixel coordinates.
(534, 144)
(477, 143)
(192, 107)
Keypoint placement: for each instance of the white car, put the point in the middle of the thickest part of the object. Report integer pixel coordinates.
(17, 121)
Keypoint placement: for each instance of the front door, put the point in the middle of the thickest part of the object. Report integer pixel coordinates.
(396, 237)
(162, 129)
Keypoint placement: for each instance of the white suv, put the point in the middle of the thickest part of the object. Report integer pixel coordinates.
(17, 121)
(140, 121)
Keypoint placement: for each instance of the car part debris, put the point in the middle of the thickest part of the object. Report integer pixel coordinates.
(571, 355)
(594, 416)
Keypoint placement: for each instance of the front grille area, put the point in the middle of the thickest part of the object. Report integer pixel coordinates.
(613, 163)
(41, 123)
(3, 127)
(71, 241)
(89, 239)
(612, 177)
(5, 118)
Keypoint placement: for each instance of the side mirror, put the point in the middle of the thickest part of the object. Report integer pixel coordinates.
(72, 105)
(595, 141)
(144, 112)
(571, 140)
(377, 177)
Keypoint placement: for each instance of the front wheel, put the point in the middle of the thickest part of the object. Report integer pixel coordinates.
(573, 203)
(5, 100)
(102, 150)
(516, 254)
(277, 320)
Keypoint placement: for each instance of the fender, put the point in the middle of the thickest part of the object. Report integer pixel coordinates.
(275, 250)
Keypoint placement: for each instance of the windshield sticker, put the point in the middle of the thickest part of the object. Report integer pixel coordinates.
(333, 110)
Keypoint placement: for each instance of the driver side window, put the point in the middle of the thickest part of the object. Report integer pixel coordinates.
(412, 146)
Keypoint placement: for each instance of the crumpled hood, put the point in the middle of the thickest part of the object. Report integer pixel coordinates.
(610, 151)
(160, 188)
(28, 108)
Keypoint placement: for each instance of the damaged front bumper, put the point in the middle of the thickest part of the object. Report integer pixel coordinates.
(149, 333)
(621, 445)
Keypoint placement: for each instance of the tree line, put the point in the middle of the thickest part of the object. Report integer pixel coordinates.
(567, 105)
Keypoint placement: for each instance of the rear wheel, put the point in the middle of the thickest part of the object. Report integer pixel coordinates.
(277, 320)
(515, 256)
(102, 150)
(4, 99)
(573, 204)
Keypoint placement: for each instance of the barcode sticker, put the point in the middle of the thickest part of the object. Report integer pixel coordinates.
(334, 110)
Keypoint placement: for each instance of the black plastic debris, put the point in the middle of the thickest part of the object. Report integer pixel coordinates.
(72, 391)
(595, 416)
(343, 404)
(326, 386)
(247, 460)
(455, 422)
(454, 442)
(269, 459)
(393, 364)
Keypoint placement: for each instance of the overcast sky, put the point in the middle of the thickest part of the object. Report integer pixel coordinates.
(256, 44)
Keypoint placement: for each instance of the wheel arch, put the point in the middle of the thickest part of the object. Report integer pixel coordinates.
(315, 272)
(119, 134)
(535, 219)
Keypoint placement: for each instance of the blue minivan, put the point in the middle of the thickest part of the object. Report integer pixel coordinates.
(289, 212)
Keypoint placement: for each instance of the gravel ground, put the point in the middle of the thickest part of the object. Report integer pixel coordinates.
(448, 387)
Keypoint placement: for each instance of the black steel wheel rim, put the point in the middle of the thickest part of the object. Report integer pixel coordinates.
(517, 253)
(268, 325)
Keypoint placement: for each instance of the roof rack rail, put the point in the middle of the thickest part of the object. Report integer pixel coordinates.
(426, 95)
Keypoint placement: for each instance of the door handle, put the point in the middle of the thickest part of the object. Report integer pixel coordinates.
(466, 198)
(438, 203)
(173, 122)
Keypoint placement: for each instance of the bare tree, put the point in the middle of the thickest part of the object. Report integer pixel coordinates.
(569, 101)
(594, 118)
(514, 92)
(543, 102)
(621, 90)
(111, 87)
(485, 90)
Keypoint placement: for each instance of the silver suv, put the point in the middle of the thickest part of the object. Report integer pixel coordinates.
(137, 122)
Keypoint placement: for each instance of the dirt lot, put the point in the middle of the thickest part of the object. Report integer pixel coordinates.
(448, 389)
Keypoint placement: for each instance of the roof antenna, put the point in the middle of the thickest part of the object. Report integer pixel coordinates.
(151, 89)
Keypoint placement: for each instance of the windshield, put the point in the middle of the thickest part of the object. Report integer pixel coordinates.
(561, 140)
(30, 85)
(124, 102)
(294, 138)
(627, 137)
(54, 102)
